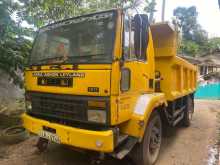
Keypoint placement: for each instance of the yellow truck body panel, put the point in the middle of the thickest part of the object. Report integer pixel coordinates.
(178, 77)
(141, 113)
(82, 80)
(181, 74)
(76, 137)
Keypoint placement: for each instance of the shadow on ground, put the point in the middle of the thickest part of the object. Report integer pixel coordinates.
(58, 154)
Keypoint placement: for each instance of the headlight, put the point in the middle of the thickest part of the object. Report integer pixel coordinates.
(98, 116)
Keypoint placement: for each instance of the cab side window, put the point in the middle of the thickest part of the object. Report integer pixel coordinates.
(129, 52)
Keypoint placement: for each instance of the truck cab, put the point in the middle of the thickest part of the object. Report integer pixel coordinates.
(91, 83)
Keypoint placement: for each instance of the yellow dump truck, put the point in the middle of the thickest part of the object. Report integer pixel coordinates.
(108, 82)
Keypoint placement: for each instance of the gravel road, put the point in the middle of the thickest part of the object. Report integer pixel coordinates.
(184, 146)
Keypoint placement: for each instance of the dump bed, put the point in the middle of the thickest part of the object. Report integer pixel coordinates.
(178, 77)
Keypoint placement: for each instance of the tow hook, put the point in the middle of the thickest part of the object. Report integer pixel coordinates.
(42, 144)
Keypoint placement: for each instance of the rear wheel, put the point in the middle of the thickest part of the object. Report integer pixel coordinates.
(147, 152)
(188, 113)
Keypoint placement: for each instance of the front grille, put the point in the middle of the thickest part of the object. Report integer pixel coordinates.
(64, 109)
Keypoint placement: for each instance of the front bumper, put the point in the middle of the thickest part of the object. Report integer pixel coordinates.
(81, 138)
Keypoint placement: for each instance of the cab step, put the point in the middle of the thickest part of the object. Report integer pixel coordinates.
(124, 148)
(121, 139)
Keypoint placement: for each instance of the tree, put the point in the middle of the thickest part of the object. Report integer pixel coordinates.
(187, 18)
(194, 37)
(213, 45)
(189, 47)
(14, 47)
(44, 12)
(150, 8)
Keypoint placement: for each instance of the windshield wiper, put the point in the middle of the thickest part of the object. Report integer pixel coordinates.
(53, 58)
(89, 55)
(45, 61)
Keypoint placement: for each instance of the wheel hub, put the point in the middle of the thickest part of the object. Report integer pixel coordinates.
(155, 139)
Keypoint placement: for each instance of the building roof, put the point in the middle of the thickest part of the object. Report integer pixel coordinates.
(211, 60)
(192, 60)
(208, 60)
(212, 75)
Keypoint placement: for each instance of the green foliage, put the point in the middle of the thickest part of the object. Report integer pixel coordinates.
(14, 47)
(189, 47)
(214, 44)
(211, 46)
(195, 39)
(44, 12)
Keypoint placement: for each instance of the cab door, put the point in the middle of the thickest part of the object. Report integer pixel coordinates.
(137, 70)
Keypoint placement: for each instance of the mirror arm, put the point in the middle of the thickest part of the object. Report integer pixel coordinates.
(120, 60)
(121, 63)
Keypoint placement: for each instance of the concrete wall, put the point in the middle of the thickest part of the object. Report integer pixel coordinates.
(208, 91)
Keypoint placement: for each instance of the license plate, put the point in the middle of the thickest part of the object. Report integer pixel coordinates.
(50, 136)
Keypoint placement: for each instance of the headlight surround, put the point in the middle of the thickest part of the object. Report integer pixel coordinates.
(28, 103)
(97, 116)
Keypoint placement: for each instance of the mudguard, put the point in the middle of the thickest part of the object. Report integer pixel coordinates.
(144, 107)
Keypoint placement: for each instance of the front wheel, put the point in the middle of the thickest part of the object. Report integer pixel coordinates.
(147, 152)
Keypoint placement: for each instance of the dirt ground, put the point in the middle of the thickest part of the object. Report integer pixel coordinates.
(184, 146)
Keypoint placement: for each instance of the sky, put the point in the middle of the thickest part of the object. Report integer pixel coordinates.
(208, 13)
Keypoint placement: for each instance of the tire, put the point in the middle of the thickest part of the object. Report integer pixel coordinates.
(8, 121)
(147, 152)
(188, 113)
(14, 135)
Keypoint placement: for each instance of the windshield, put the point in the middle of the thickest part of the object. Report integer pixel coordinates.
(87, 39)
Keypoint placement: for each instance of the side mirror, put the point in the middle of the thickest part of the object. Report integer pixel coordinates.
(141, 35)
